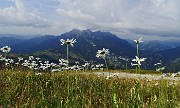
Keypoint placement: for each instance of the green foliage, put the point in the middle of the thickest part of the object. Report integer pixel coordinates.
(75, 90)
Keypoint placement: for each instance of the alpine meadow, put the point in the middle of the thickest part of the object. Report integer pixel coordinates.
(89, 54)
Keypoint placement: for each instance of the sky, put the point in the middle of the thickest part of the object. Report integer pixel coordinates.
(129, 19)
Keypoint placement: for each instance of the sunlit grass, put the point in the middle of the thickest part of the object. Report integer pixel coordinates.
(25, 89)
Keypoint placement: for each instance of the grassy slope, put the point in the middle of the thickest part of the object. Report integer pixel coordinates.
(65, 90)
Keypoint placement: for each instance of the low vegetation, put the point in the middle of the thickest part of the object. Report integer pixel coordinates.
(70, 90)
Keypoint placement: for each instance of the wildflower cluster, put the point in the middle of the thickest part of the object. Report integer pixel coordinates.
(36, 64)
(55, 67)
(5, 50)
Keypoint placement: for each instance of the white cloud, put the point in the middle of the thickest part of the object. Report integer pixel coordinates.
(18, 16)
(78, 15)
(144, 17)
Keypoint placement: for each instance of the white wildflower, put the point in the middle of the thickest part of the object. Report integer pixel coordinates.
(56, 70)
(157, 64)
(20, 59)
(86, 65)
(17, 63)
(31, 57)
(63, 62)
(6, 49)
(102, 53)
(139, 60)
(37, 58)
(68, 41)
(138, 41)
(11, 61)
(38, 73)
(134, 64)
(160, 69)
(76, 62)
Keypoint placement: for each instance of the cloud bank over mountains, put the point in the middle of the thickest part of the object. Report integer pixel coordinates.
(151, 19)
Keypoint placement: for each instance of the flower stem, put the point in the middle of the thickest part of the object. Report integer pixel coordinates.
(137, 51)
(139, 68)
(67, 101)
(5, 60)
(106, 63)
(126, 67)
(67, 53)
(137, 47)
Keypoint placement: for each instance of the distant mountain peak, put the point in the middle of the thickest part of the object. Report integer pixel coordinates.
(75, 31)
(87, 31)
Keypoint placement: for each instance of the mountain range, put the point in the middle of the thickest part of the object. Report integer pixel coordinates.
(89, 42)
(156, 45)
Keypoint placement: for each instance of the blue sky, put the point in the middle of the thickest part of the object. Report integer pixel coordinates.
(150, 19)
